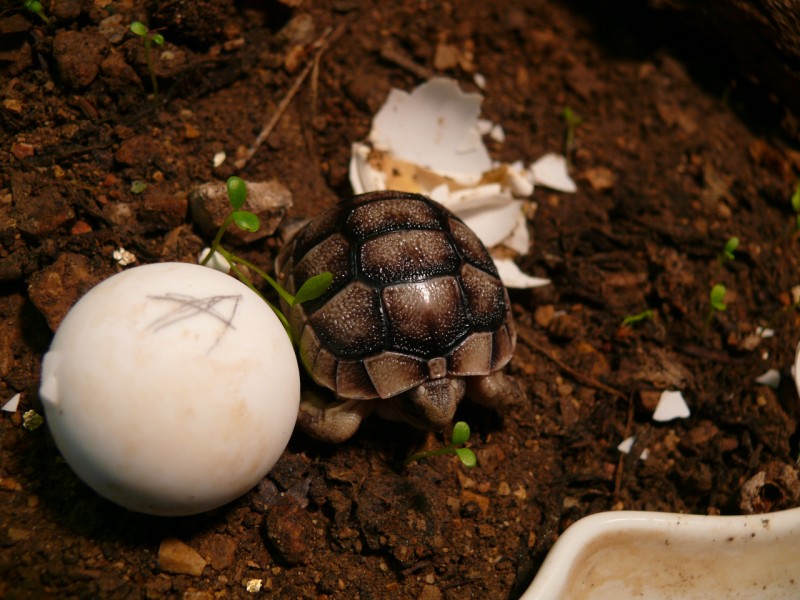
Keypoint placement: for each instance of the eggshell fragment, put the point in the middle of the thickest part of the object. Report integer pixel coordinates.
(12, 404)
(171, 388)
(626, 445)
(551, 171)
(671, 406)
(770, 378)
(429, 141)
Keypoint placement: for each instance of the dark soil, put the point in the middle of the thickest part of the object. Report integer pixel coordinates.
(676, 154)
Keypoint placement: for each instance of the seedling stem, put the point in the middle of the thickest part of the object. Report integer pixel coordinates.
(459, 437)
(35, 7)
(148, 38)
(313, 288)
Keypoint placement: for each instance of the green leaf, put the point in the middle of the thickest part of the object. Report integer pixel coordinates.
(730, 248)
(139, 28)
(717, 297)
(138, 186)
(796, 199)
(631, 319)
(157, 38)
(571, 118)
(467, 457)
(237, 192)
(246, 221)
(313, 288)
(460, 433)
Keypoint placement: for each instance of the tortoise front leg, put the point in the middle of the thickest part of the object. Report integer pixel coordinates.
(331, 421)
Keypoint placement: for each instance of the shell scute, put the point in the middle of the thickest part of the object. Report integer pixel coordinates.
(351, 323)
(426, 318)
(401, 256)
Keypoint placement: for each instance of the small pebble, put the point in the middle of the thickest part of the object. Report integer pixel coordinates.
(176, 557)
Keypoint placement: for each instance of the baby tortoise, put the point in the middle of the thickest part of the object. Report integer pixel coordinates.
(415, 319)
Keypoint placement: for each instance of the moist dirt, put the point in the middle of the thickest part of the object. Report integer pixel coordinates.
(676, 153)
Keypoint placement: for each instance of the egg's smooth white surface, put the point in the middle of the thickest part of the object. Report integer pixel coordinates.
(171, 388)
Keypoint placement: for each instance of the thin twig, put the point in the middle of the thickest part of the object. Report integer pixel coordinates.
(621, 460)
(584, 379)
(321, 44)
(391, 53)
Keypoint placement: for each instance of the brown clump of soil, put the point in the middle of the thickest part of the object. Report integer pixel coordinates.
(674, 156)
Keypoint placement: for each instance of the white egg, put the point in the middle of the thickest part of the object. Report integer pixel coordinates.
(171, 388)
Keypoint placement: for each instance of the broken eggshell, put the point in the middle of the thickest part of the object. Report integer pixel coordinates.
(171, 388)
(430, 142)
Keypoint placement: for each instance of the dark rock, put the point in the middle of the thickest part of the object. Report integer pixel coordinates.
(55, 289)
(268, 200)
(78, 56)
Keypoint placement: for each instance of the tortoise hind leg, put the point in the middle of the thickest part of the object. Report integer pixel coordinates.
(495, 390)
(331, 421)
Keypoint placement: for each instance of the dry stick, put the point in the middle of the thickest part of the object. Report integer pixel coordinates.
(322, 43)
(590, 381)
(621, 460)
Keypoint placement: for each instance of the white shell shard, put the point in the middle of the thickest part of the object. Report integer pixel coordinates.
(796, 368)
(216, 262)
(12, 404)
(434, 126)
(493, 224)
(765, 332)
(429, 142)
(512, 277)
(770, 378)
(626, 445)
(671, 406)
(551, 172)
(218, 159)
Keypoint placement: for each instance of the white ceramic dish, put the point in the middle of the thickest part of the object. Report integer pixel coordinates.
(666, 556)
(627, 554)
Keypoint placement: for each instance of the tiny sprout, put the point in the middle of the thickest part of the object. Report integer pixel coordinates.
(247, 221)
(730, 248)
(148, 38)
(36, 8)
(796, 204)
(459, 437)
(717, 297)
(642, 316)
(717, 301)
(572, 120)
(138, 186)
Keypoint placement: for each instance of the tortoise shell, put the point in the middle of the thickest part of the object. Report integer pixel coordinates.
(415, 296)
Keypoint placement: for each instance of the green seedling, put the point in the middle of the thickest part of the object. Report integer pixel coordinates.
(36, 8)
(138, 186)
(148, 38)
(728, 252)
(717, 301)
(642, 316)
(456, 446)
(247, 221)
(796, 205)
(572, 121)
